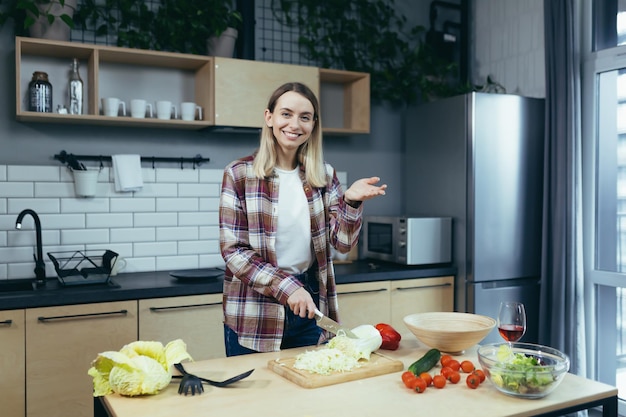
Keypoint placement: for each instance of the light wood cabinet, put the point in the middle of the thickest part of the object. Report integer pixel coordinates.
(12, 363)
(197, 320)
(363, 303)
(231, 92)
(61, 343)
(390, 301)
(420, 295)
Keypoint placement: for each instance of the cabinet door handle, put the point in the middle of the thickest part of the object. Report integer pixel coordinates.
(6, 322)
(82, 316)
(157, 309)
(421, 287)
(362, 292)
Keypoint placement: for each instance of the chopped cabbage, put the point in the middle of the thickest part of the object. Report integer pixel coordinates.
(138, 368)
(342, 353)
(324, 361)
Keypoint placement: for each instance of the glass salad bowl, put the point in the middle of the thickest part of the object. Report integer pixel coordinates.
(523, 370)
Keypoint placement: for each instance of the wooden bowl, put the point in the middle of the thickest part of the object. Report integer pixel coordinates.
(449, 332)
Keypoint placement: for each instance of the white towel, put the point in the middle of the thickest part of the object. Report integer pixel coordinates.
(127, 173)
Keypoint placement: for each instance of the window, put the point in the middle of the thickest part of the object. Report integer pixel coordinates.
(604, 168)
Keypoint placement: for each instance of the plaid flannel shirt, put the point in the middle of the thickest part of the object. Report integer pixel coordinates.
(255, 290)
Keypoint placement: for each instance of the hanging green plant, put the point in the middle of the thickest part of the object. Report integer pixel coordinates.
(370, 36)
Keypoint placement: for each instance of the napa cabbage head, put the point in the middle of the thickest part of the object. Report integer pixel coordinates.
(139, 368)
(368, 340)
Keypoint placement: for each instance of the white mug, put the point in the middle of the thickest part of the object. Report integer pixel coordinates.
(138, 108)
(118, 266)
(188, 111)
(111, 106)
(164, 110)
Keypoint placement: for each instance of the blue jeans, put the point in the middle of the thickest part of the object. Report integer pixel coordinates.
(298, 331)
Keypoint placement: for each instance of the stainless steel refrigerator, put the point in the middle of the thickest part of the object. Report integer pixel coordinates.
(478, 158)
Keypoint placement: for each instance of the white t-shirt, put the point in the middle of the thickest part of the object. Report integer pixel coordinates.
(293, 237)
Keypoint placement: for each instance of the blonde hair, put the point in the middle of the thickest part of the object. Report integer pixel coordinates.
(309, 155)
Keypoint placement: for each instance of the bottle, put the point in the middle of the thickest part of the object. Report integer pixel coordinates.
(75, 90)
(40, 93)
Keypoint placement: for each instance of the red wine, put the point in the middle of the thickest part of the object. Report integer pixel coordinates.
(511, 332)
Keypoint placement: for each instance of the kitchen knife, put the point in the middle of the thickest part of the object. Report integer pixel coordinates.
(331, 325)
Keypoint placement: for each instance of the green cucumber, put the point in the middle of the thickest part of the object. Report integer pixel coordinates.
(426, 362)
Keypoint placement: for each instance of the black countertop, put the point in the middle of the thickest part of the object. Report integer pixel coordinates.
(142, 285)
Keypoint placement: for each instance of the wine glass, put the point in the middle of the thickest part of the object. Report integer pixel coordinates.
(511, 321)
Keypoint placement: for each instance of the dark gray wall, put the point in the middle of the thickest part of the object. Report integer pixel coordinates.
(378, 153)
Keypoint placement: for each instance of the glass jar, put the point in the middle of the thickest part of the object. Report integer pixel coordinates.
(75, 90)
(40, 93)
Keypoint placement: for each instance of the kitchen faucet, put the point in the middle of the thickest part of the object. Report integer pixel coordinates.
(40, 266)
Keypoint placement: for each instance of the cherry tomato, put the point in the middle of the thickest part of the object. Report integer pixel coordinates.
(427, 378)
(445, 371)
(454, 377)
(419, 385)
(467, 366)
(407, 378)
(444, 359)
(454, 364)
(439, 381)
(480, 374)
(473, 381)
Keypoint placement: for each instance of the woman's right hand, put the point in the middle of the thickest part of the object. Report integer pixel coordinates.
(301, 303)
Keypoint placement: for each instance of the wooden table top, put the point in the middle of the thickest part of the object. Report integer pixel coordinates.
(266, 393)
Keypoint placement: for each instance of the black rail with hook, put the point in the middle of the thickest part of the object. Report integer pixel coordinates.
(68, 158)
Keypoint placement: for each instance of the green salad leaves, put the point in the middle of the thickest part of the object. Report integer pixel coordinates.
(520, 373)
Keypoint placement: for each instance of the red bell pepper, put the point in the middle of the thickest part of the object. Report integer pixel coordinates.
(391, 338)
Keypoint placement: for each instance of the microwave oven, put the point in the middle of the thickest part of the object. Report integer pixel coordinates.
(408, 240)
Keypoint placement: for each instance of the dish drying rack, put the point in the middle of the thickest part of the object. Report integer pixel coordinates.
(86, 267)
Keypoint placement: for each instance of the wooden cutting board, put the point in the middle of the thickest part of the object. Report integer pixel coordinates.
(377, 365)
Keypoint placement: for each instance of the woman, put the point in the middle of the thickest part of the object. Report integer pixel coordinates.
(281, 211)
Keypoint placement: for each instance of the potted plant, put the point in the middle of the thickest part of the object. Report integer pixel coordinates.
(171, 25)
(130, 21)
(50, 19)
(187, 25)
(370, 36)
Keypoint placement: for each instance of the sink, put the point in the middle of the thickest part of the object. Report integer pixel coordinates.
(12, 285)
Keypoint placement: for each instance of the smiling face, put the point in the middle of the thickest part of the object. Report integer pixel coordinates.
(292, 122)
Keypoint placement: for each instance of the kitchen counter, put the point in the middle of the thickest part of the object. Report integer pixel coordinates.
(266, 393)
(143, 285)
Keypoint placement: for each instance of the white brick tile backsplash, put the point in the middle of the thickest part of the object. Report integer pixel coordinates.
(211, 175)
(132, 205)
(84, 205)
(176, 233)
(177, 262)
(63, 221)
(17, 189)
(33, 173)
(155, 249)
(40, 205)
(198, 247)
(84, 236)
(59, 189)
(158, 190)
(198, 190)
(155, 219)
(109, 220)
(137, 234)
(210, 204)
(211, 261)
(198, 219)
(177, 175)
(177, 204)
(27, 237)
(209, 232)
(172, 223)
